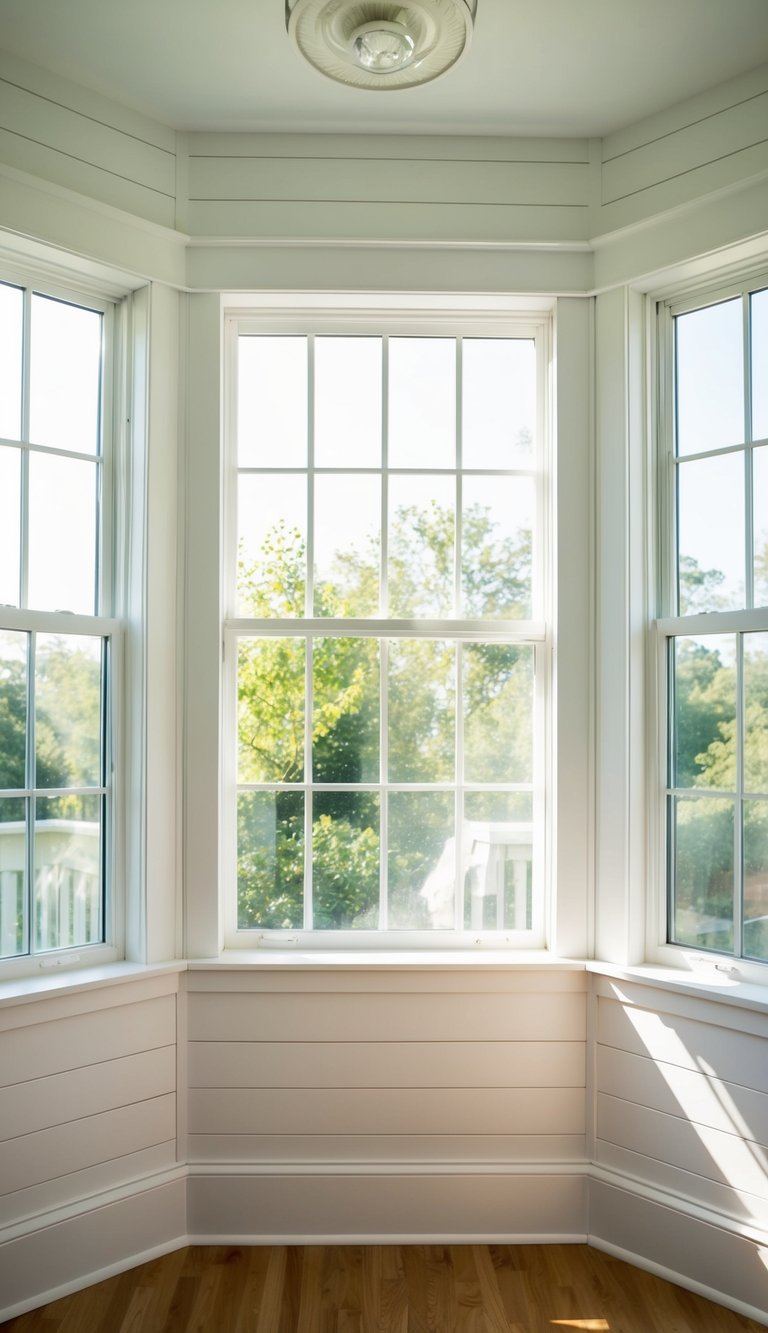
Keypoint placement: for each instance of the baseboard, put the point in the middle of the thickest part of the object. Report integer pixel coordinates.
(681, 1242)
(61, 1252)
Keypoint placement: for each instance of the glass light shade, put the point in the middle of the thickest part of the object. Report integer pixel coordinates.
(381, 47)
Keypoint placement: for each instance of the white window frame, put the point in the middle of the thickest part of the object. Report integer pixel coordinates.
(535, 323)
(670, 625)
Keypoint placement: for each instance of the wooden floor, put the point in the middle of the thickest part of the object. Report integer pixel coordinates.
(378, 1289)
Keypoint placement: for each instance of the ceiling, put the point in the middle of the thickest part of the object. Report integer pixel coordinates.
(535, 67)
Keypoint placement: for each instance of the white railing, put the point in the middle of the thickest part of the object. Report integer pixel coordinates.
(67, 893)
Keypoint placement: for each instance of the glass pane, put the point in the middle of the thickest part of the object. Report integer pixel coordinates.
(421, 711)
(345, 718)
(10, 501)
(272, 402)
(710, 378)
(13, 710)
(497, 861)
(422, 539)
(11, 343)
(272, 545)
(67, 858)
(68, 711)
(422, 860)
(345, 856)
(62, 534)
(499, 807)
(270, 860)
(756, 712)
(498, 402)
(270, 710)
(13, 841)
(348, 402)
(498, 713)
(496, 547)
(711, 534)
(704, 722)
(347, 545)
(759, 311)
(703, 873)
(422, 402)
(760, 523)
(756, 879)
(65, 378)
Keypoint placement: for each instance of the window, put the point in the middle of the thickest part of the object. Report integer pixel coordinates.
(715, 641)
(385, 656)
(56, 644)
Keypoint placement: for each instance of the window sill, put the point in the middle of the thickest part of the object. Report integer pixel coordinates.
(22, 990)
(385, 960)
(708, 984)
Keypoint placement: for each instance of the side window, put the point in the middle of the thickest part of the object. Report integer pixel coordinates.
(716, 635)
(55, 635)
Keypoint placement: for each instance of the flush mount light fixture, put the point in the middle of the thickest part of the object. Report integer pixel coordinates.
(383, 45)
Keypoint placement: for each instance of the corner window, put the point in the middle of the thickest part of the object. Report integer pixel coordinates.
(56, 641)
(715, 641)
(386, 653)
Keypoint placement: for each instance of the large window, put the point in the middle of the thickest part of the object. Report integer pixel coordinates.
(715, 641)
(385, 659)
(55, 642)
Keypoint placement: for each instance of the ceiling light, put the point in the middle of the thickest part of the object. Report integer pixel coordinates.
(383, 45)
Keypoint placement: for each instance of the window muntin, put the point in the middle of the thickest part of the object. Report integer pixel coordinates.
(389, 674)
(716, 655)
(55, 640)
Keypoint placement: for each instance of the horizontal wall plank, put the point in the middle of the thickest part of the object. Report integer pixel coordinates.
(702, 1008)
(372, 980)
(737, 1204)
(87, 997)
(379, 1206)
(386, 1111)
(50, 1153)
(78, 1185)
(538, 1017)
(726, 1053)
(48, 123)
(41, 1103)
(400, 147)
(706, 1152)
(696, 1097)
(386, 1064)
(85, 1039)
(304, 1149)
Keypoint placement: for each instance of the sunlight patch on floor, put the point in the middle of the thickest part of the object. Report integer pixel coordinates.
(599, 1325)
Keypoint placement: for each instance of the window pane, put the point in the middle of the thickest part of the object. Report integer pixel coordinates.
(422, 535)
(270, 710)
(422, 402)
(756, 712)
(272, 402)
(756, 879)
(497, 864)
(272, 545)
(422, 860)
(710, 384)
(422, 708)
(711, 547)
(65, 375)
(759, 312)
(760, 523)
(496, 542)
(345, 855)
(11, 343)
(68, 711)
(348, 402)
(703, 873)
(345, 719)
(13, 874)
(62, 534)
(498, 402)
(498, 713)
(13, 709)
(270, 860)
(67, 857)
(347, 545)
(704, 720)
(10, 501)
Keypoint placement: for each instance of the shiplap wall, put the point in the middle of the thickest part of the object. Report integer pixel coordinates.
(396, 1069)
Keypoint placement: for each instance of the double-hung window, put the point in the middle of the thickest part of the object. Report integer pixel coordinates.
(714, 639)
(56, 658)
(386, 647)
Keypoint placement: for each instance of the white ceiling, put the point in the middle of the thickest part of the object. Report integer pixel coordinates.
(540, 67)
